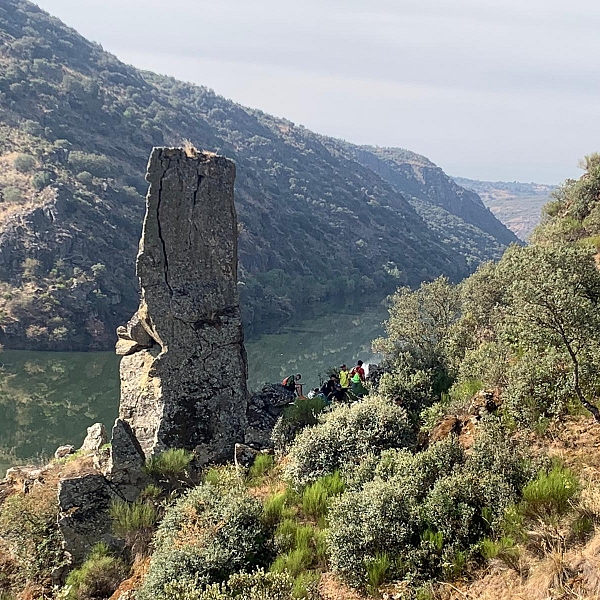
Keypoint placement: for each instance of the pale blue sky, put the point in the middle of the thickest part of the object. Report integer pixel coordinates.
(488, 89)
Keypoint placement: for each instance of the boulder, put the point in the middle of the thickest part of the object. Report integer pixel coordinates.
(183, 371)
(96, 438)
(63, 451)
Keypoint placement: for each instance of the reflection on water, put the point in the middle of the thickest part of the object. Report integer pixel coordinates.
(49, 398)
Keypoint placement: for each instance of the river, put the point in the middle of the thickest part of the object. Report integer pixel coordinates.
(49, 398)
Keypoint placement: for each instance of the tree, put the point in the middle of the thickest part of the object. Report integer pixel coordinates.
(554, 304)
(420, 324)
(419, 350)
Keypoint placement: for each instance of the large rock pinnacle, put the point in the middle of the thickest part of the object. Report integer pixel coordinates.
(183, 371)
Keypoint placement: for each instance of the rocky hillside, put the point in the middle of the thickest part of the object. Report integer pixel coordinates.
(518, 205)
(319, 219)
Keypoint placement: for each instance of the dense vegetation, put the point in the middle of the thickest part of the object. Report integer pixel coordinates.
(315, 223)
(431, 481)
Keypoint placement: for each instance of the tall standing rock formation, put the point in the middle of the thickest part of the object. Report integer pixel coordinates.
(184, 370)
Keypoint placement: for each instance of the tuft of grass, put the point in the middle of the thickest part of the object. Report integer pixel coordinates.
(504, 549)
(304, 584)
(549, 494)
(293, 562)
(98, 577)
(316, 497)
(315, 500)
(276, 509)
(134, 522)
(377, 569)
(172, 463)
(262, 465)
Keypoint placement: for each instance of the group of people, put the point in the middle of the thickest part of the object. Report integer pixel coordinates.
(342, 386)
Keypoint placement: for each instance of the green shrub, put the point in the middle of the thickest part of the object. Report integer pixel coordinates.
(85, 177)
(346, 436)
(29, 530)
(12, 194)
(42, 179)
(98, 577)
(304, 412)
(24, 163)
(317, 496)
(134, 522)
(206, 536)
(96, 164)
(261, 466)
(550, 493)
(241, 586)
(427, 512)
(377, 570)
(170, 464)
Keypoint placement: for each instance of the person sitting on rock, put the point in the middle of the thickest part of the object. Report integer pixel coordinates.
(289, 383)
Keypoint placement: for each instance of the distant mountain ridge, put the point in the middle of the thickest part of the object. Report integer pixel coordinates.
(518, 205)
(319, 219)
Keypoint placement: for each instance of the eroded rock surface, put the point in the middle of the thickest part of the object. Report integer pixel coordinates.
(84, 517)
(95, 438)
(264, 408)
(183, 371)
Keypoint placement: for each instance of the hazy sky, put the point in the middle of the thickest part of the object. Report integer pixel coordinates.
(488, 89)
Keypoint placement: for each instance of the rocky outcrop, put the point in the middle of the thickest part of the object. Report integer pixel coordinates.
(264, 408)
(84, 517)
(95, 438)
(126, 461)
(183, 371)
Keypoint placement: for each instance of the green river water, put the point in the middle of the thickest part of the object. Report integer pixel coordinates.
(49, 398)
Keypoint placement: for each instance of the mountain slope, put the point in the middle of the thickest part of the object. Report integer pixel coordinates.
(518, 205)
(76, 128)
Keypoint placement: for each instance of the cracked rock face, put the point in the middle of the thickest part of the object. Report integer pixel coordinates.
(183, 371)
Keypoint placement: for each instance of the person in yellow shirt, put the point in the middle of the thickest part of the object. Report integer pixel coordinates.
(344, 380)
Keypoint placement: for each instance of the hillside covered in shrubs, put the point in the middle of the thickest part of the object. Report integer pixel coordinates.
(319, 220)
(469, 471)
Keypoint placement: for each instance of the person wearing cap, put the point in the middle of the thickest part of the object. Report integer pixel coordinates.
(344, 380)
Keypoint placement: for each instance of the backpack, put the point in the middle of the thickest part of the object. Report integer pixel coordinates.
(286, 382)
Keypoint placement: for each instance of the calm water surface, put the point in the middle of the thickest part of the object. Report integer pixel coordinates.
(49, 398)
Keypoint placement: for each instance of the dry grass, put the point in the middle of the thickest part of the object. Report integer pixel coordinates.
(330, 588)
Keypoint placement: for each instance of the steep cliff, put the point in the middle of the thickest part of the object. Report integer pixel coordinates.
(76, 126)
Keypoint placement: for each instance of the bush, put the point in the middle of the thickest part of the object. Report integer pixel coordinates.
(98, 577)
(242, 586)
(24, 163)
(346, 436)
(206, 536)
(42, 179)
(170, 464)
(12, 194)
(29, 530)
(304, 412)
(85, 177)
(96, 164)
(426, 512)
